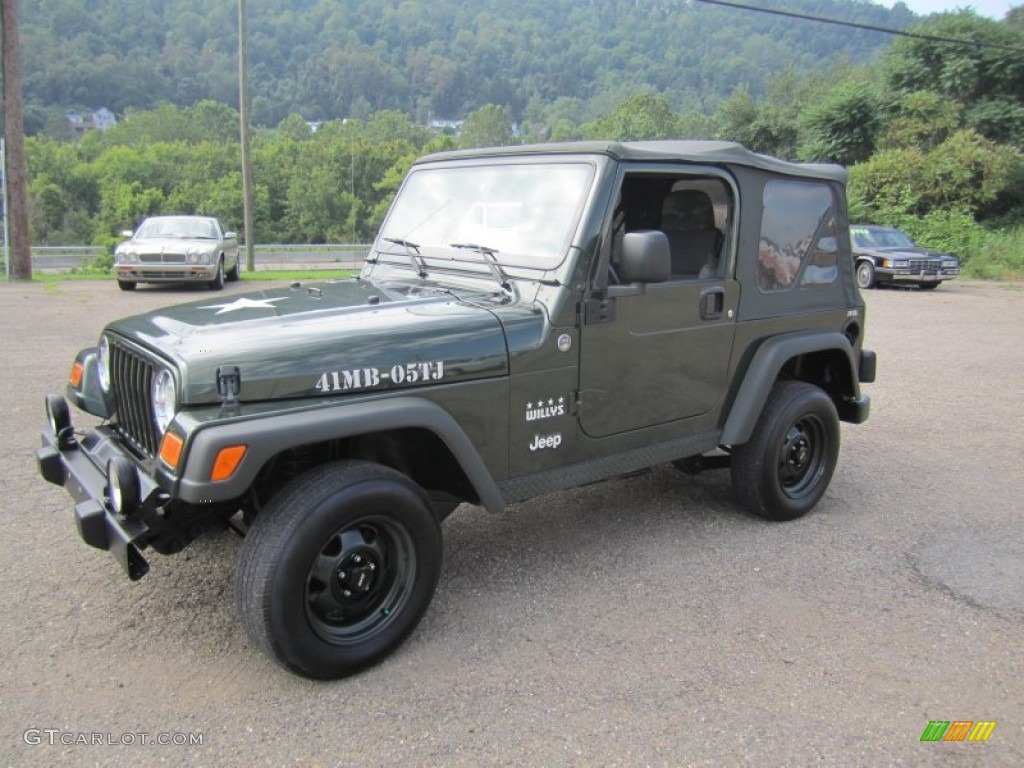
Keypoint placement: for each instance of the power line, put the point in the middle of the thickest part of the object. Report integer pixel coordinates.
(857, 25)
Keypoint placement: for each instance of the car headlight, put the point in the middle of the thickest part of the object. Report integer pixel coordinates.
(103, 363)
(165, 399)
(125, 257)
(199, 256)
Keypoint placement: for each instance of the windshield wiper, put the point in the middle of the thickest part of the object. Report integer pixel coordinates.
(489, 260)
(412, 250)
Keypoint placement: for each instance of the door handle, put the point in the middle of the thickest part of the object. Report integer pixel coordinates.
(712, 301)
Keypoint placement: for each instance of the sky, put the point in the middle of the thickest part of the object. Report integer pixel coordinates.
(993, 9)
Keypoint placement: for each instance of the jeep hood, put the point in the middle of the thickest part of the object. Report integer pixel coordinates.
(324, 339)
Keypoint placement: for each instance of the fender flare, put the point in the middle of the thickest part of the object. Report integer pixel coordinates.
(269, 435)
(764, 370)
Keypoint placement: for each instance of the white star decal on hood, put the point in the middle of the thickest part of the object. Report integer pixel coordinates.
(244, 304)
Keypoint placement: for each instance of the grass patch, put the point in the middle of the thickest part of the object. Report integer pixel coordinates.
(304, 275)
(998, 256)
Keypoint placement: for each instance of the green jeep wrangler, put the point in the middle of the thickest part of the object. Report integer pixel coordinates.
(529, 319)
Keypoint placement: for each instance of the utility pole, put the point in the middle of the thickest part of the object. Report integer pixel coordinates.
(243, 111)
(16, 189)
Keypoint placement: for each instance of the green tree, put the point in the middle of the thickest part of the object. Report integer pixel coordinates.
(760, 127)
(843, 127)
(640, 117)
(489, 126)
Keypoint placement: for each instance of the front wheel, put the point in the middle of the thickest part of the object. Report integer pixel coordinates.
(126, 285)
(928, 286)
(217, 283)
(339, 568)
(785, 467)
(865, 275)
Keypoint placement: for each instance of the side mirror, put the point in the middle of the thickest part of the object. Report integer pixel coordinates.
(127, 233)
(230, 235)
(645, 257)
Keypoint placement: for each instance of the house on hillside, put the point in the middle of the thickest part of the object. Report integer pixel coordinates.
(103, 119)
(99, 119)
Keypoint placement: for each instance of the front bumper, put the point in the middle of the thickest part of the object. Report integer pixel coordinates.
(890, 275)
(166, 273)
(80, 467)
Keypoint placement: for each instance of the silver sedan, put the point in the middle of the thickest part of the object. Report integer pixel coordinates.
(168, 249)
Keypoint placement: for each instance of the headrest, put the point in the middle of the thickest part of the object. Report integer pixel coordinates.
(687, 209)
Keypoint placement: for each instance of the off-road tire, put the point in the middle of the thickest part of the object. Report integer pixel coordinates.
(337, 570)
(786, 466)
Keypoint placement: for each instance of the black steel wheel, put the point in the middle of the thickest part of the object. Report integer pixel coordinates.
(786, 466)
(865, 274)
(339, 568)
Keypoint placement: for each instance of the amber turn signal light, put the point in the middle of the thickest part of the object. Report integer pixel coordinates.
(227, 462)
(170, 449)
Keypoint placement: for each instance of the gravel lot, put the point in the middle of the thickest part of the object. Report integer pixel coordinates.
(645, 621)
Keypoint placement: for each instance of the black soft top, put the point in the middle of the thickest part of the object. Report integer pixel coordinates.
(713, 152)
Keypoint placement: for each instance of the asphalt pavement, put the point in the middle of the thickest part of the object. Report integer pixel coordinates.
(646, 621)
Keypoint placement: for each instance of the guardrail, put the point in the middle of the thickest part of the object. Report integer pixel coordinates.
(268, 256)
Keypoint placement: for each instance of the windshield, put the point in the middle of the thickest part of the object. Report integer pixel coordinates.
(178, 227)
(865, 237)
(524, 214)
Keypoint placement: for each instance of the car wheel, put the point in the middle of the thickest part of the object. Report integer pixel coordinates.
(126, 285)
(785, 467)
(217, 283)
(865, 275)
(339, 568)
(232, 275)
(928, 286)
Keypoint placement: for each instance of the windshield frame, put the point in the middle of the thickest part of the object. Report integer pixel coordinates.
(451, 242)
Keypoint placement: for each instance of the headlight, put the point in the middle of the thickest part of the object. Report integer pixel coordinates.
(165, 399)
(103, 363)
(199, 257)
(125, 257)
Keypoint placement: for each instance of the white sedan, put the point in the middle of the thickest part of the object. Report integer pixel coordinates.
(172, 249)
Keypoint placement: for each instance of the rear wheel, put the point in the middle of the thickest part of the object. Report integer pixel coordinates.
(232, 274)
(785, 467)
(339, 568)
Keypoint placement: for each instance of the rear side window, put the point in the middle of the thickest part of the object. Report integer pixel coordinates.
(798, 236)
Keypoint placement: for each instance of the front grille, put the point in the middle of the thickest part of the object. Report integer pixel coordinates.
(131, 377)
(926, 265)
(162, 258)
(156, 274)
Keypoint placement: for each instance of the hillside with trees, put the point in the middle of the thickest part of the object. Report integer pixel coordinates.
(931, 131)
(331, 59)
